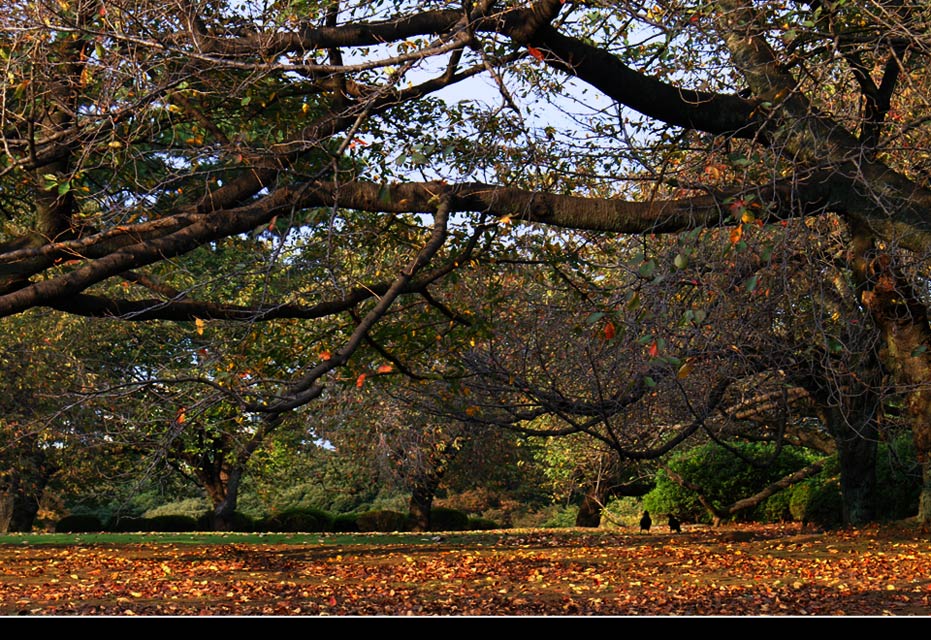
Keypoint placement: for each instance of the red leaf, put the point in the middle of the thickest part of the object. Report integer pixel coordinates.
(654, 349)
(360, 380)
(609, 330)
(536, 53)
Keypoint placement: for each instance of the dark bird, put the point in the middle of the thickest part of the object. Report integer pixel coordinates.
(674, 524)
(645, 521)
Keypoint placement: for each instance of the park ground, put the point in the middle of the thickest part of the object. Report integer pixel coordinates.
(773, 570)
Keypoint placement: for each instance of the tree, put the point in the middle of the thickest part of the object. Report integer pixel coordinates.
(139, 134)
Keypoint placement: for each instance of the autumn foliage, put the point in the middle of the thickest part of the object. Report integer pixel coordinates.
(773, 570)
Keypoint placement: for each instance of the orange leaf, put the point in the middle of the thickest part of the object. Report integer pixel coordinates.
(654, 349)
(609, 330)
(360, 380)
(536, 53)
(180, 417)
(736, 232)
(325, 355)
(385, 368)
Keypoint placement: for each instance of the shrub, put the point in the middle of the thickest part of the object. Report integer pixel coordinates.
(898, 479)
(79, 523)
(556, 516)
(172, 523)
(123, 524)
(775, 508)
(293, 520)
(345, 523)
(382, 520)
(238, 522)
(192, 507)
(723, 476)
(446, 519)
(482, 524)
(817, 501)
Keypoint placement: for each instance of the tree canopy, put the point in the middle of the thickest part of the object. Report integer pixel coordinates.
(354, 179)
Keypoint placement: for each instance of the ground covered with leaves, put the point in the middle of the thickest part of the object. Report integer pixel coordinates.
(731, 571)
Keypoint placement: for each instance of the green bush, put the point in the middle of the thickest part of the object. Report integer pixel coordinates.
(446, 519)
(191, 507)
(238, 522)
(294, 520)
(482, 524)
(124, 524)
(79, 523)
(558, 516)
(775, 508)
(724, 478)
(174, 523)
(382, 520)
(898, 479)
(345, 523)
(817, 501)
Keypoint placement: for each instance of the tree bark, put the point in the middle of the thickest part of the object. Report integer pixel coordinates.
(589, 514)
(906, 344)
(420, 506)
(856, 435)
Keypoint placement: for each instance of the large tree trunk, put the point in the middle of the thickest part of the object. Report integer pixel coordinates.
(225, 509)
(422, 493)
(6, 511)
(223, 495)
(419, 507)
(906, 351)
(221, 484)
(589, 514)
(22, 491)
(856, 436)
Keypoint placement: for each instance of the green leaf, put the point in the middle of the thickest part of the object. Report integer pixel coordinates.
(647, 268)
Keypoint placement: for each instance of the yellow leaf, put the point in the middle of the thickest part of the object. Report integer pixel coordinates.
(685, 368)
(200, 326)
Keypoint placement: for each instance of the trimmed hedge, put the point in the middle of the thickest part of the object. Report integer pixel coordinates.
(127, 524)
(446, 519)
(382, 520)
(294, 520)
(346, 523)
(482, 524)
(172, 523)
(79, 524)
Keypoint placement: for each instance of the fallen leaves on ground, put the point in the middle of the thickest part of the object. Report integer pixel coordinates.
(702, 572)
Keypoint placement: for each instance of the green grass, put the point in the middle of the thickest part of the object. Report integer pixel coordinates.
(208, 537)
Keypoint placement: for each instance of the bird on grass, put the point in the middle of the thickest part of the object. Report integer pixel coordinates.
(645, 522)
(674, 524)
